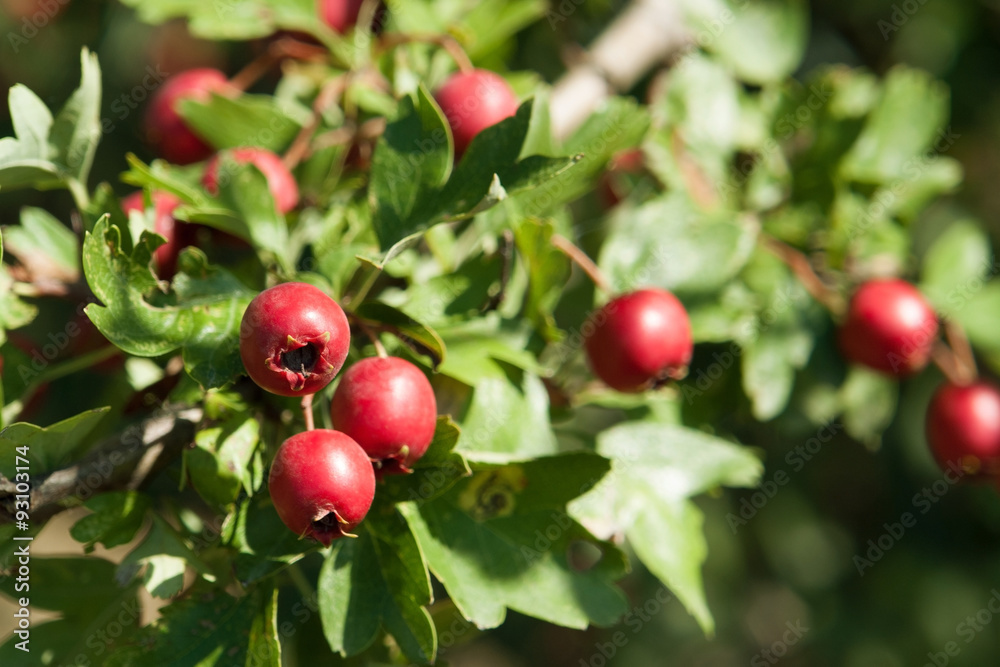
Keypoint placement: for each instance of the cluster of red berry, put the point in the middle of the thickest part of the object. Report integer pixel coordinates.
(890, 327)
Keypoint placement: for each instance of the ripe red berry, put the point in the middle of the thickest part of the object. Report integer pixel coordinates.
(387, 406)
(293, 339)
(322, 484)
(889, 327)
(340, 15)
(473, 101)
(178, 234)
(280, 181)
(639, 339)
(963, 427)
(166, 130)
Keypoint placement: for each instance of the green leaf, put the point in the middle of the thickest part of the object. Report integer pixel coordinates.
(412, 160)
(906, 121)
(667, 243)
(263, 543)
(77, 130)
(117, 517)
(45, 244)
(378, 579)
(655, 468)
(956, 266)
(762, 41)
(769, 364)
(476, 347)
(500, 539)
(232, 19)
(220, 462)
(207, 626)
(52, 152)
(264, 649)
(548, 271)
(247, 120)
(417, 336)
(619, 124)
(204, 323)
(508, 419)
(868, 400)
(14, 312)
(52, 446)
(164, 556)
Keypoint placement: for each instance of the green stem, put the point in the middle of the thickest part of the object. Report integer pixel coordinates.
(80, 194)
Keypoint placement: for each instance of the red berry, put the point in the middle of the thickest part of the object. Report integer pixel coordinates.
(178, 234)
(473, 101)
(638, 340)
(340, 15)
(890, 327)
(280, 181)
(388, 406)
(963, 428)
(165, 128)
(322, 484)
(293, 339)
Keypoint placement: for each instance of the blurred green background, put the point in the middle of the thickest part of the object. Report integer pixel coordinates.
(785, 587)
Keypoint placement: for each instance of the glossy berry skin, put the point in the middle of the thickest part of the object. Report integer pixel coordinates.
(889, 327)
(322, 484)
(473, 101)
(639, 340)
(179, 235)
(166, 130)
(280, 181)
(387, 406)
(293, 339)
(963, 428)
(340, 15)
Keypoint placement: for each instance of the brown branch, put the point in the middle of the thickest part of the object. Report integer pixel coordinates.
(964, 357)
(802, 268)
(125, 462)
(580, 258)
(446, 42)
(286, 47)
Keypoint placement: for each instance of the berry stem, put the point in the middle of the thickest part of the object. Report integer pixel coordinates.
(585, 263)
(379, 348)
(307, 411)
(286, 47)
(955, 358)
(802, 268)
(327, 95)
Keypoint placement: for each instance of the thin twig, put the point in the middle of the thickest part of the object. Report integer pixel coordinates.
(446, 42)
(961, 351)
(802, 268)
(327, 95)
(307, 411)
(949, 365)
(286, 47)
(585, 263)
(379, 348)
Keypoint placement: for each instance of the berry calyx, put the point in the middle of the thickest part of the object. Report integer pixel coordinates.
(179, 235)
(639, 340)
(889, 327)
(322, 484)
(473, 101)
(280, 181)
(293, 339)
(388, 407)
(963, 428)
(165, 128)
